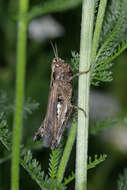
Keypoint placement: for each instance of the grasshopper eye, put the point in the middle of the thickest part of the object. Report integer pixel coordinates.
(55, 60)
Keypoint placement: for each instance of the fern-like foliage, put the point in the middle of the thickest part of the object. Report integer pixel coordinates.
(33, 167)
(113, 41)
(54, 162)
(29, 107)
(97, 160)
(122, 182)
(98, 73)
(7, 107)
(5, 135)
(75, 61)
(30, 164)
(53, 184)
(91, 164)
(69, 178)
(115, 18)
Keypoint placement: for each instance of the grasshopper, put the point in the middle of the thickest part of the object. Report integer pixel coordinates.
(59, 106)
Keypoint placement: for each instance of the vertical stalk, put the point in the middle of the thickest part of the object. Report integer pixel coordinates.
(83, 94)
(98, 26)
(20, 80)
(67, 151)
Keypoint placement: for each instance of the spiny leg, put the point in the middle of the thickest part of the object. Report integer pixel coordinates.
(78, 108)
(80, 73)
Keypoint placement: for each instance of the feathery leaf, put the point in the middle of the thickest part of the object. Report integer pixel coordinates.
(54, 162)
(33, 168)
(97, 160)
(5, 135)
(69, 179)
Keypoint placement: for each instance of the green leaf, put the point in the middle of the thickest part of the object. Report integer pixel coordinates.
(54, 162)
(69, 179)
(97, 160)
(113, 41)
(98, 73)
(53, 184)
(75, 61)
(115, 17)
(91, 164)
(5, 135)
(7, 107)
(33, 168)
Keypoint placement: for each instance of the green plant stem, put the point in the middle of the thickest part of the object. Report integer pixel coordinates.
(66, 152)
(97, 31)
(52, 6)
(20, 79)
(83, 94)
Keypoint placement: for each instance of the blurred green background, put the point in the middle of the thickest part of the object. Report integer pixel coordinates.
(107, 101)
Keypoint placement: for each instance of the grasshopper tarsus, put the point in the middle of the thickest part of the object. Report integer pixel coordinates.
(78, 108)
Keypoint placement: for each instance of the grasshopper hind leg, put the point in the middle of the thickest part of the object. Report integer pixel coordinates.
(47, 138)
(56, 141)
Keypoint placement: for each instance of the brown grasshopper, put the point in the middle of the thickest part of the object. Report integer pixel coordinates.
(59, 104)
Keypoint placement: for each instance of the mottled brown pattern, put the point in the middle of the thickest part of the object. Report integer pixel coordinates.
(60, 96)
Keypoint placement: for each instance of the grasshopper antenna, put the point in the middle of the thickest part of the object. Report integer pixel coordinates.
(55, 50)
